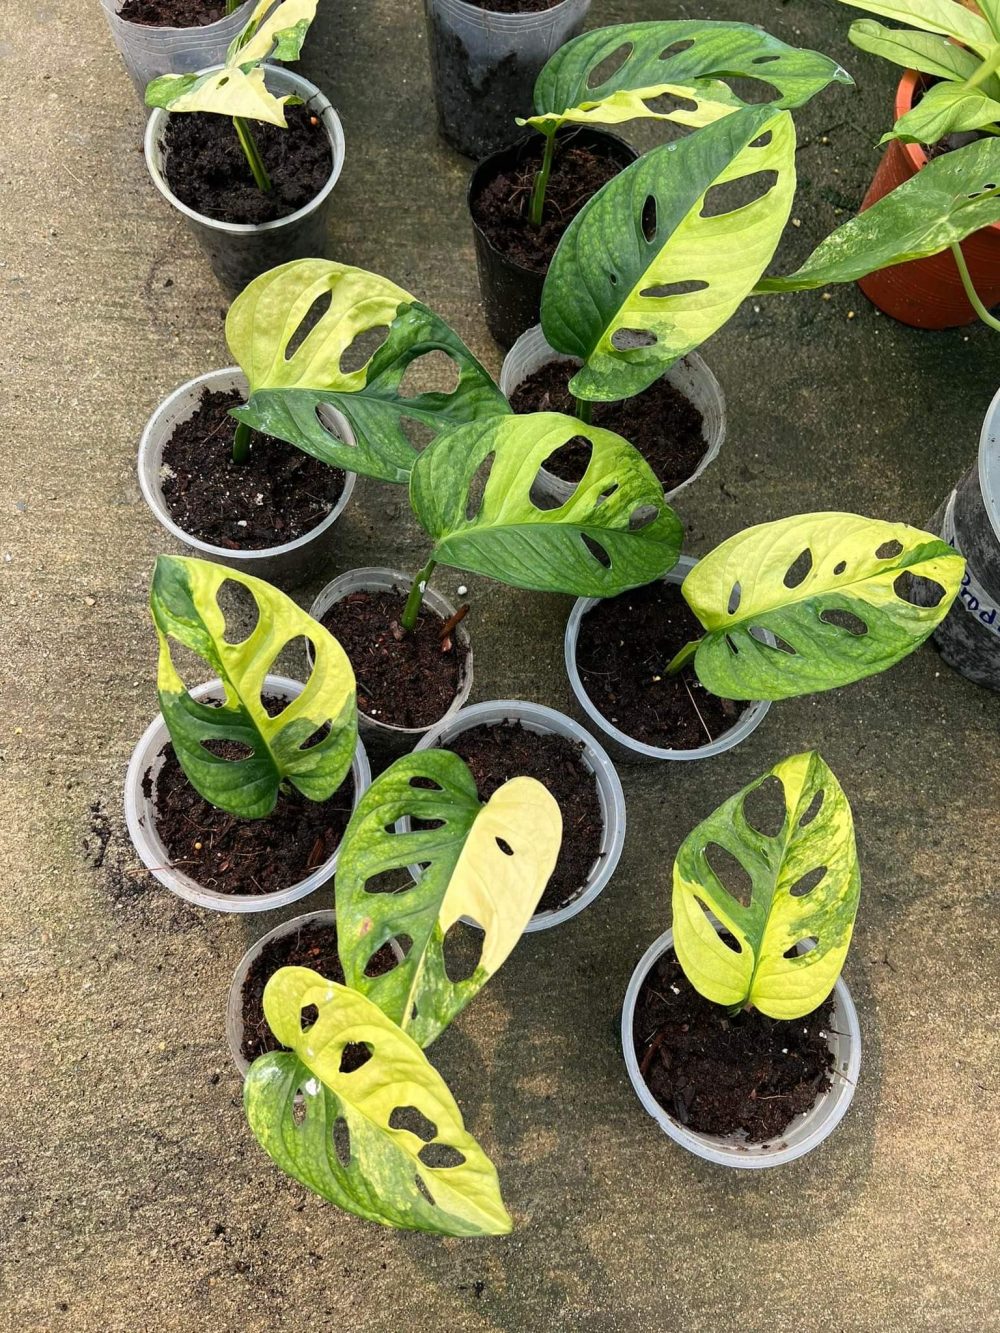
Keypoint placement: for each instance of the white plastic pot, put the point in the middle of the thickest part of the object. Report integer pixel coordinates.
(804, 1133)
(546, 721)
(149, 52)
(287, 564)
(751, 718)
(140, 816)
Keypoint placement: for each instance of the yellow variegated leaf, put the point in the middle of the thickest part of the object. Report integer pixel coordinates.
(278, 35)
(708, 102)
(227, 92)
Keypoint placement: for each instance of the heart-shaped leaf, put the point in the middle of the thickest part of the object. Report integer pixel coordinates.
(345, 1139)
(927, 52)
(185, 607)
(487, 862)
(946, 108)
(828, 588)
(614, 532)
(945, 17)
(805, 886)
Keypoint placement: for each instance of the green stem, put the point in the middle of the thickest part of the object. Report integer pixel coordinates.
(241, 443)
(541, 181)
(582, 410)
(232, 6)
(252, 153)
(416, 597)
(683, 657)
(970, 290)
(984, 71)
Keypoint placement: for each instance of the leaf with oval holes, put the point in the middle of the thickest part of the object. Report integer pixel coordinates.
(382, 1172)
(487, 862)
(185, 607)
(289, 388)
(614, 532)
(927, 52)
(789, 900)
(646, 231)
(944, 17)
(824, 586)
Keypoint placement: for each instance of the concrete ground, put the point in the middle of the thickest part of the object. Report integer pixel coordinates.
(133, 1195)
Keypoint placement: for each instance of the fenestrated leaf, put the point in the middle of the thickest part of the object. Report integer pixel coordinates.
(825, 586)
(273, 31)
(468, 873)
(230, 91)
(789, 901)
(927, 52)
(614, 532)
(693, 105)
(287, 389)
(950, 198)
(946, 108)
(384, 1163)
(946, 17)
(185, 607)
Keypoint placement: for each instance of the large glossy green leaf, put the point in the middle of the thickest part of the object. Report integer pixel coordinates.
(344, 1138)
(790, 901)
(185, 607)
(926, 52)
(631, 290)
(489, 863)
(946, 108)
(946, 17)
(288, 387)
(614, 532)
(827, 587)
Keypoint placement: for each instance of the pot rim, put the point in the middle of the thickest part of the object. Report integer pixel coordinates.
(486, 17)
(116, 8)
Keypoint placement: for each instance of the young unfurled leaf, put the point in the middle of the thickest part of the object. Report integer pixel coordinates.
(344, 1139)
(927, 52)
(805, 886)
(185, 607)
(614, 532)
(289, 387)
(830, 588)
(486, 862)
(944, 17)
(642, 275)
(274, 31)
(946, 108)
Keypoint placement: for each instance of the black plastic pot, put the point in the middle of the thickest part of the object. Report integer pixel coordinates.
(512, 293)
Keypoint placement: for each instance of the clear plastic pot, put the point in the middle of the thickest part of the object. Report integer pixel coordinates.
(286, 565)
(805, 1132)
(689, 376)
(140, 816)
(149, 52)
(484, 66)
(626, 746)
(241, 251)
(546, 721)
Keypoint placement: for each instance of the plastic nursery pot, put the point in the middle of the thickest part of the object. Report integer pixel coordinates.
(239, 251)
(690, 376)
(512, 292)
(149, 52)
(546, 721)
(382, 735)
(928, 293)
(287, 564)
(484, 65)
(805, 1132)
(625, 746)
(140, 816)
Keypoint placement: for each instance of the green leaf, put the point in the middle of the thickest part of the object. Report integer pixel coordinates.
(467, 874)
(945, 17)
(783, 909)
(384, 1162)
(948, 199)
(287, 389)
(947, 108)
(824, 585)
(614, 532)
(600, 300)
(185, 607)
(926, 52)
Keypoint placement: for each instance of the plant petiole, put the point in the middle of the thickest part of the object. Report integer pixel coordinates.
(970, 290)
(583, 410)
(241, 443)
(411, 610)
(541, 181)
(682, 658)
(252, 153)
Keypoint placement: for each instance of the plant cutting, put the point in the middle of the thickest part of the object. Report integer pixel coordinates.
(739, 1037)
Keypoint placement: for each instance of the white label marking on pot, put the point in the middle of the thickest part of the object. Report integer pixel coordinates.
(972, 595)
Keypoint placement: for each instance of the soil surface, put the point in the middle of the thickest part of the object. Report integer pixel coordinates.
(496, 753)
(405, 680)
(171, 13)
(623, 649)
(277, 495)
(206, 169)
(720, 1075)
(313, 945)
(661, 422)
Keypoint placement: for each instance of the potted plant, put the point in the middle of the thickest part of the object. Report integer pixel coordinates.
(523, 198)
(157, 37)
(793, 607)
(238, 795)
(253, 197)
(740, 1039)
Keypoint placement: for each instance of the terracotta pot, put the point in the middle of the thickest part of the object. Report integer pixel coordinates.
(928, 293)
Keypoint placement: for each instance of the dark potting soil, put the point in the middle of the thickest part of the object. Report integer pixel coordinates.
(405, 680)
(720, 1075)
(313, 945)
(496, 753)
(661, 422)
(501, 208)
(172, 13)
(206, 169)
(624, 647)
(277, 495)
